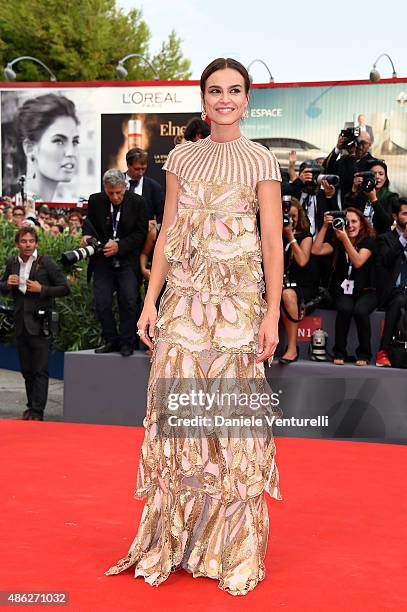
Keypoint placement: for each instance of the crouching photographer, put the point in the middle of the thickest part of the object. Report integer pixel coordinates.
(352, 279)
(371, 194)
(33, 281)
(297, 284)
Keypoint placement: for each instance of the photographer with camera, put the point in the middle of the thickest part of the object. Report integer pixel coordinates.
(392, 278)
(352, 278)
(315, 192)
(297, 282)
(350, 155)
(118, 220)
(33, 281)
(371, 194)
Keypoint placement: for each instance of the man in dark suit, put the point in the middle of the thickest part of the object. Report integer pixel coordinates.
(119, 220)
(392, 277)
(314, 200)
(346, 159)
(33, 281)
(138, 182)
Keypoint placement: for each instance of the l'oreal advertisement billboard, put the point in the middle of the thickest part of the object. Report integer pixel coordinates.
(62, 137)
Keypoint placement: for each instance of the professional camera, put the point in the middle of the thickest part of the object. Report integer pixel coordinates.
(69, 258)
(6, 320)
(49, 320)
(322, 297)
(339, 220)
(286, 204)
(312, 167)
(350, 136)
(331, 179)
(369, 181)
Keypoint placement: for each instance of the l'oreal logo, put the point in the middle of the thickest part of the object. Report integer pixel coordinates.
(150, 98)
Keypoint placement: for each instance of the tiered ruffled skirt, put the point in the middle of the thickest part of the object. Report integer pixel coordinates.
(205, 510)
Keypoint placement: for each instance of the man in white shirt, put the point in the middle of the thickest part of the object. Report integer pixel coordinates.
(33, 281)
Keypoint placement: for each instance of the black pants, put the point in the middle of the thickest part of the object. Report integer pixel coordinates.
(33, 356)
(359, 307)
(123, 280)
(397, 299)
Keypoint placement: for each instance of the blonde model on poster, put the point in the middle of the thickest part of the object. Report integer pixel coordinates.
(205, 508)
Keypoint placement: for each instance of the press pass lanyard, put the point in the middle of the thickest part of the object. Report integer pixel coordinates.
(348, 284)
(115, 222)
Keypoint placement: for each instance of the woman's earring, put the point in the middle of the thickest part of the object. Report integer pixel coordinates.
(245, 114)
(203, 114)
(32, 157)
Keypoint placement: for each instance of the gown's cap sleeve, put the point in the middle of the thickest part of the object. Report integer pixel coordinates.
(269, 167)
(172, 162)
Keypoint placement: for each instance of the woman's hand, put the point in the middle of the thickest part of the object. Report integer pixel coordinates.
(288, 231)
(341, 235)
(292, 157)
(329, 190)
(146, 323)
(268, 337)
(327, 219)
(146, 273)
(357, 181)
(372, 196)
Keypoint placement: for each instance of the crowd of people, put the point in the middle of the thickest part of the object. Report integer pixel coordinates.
(344, 230)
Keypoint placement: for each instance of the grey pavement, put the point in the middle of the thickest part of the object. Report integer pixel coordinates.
(13, 399)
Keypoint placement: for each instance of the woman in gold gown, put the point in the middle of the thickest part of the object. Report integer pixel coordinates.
(205, 508)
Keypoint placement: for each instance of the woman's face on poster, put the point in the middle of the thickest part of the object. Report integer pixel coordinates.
(55, 153)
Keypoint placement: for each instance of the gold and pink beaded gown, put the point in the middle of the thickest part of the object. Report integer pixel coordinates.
(205, 509)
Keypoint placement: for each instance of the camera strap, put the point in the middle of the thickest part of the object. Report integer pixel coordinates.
(350, 267)
(115, 219)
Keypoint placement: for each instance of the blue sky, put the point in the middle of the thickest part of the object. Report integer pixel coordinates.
(300, 41)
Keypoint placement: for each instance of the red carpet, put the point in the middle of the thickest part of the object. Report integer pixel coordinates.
(338, 539)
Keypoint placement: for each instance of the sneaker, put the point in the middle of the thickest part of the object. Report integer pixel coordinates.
(382, 359)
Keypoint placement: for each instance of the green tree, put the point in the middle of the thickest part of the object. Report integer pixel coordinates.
(82, 40)
(169, 60)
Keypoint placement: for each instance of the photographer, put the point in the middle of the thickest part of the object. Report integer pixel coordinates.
(297, 286)
(118, 219)
(392, 277)
(315, 195)
(33, 281)
(372, 195)
(353, 280)
(350, 155)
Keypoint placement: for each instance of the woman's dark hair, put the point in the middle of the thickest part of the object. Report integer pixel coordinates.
(366, 230)
(385, 190)
(302, 223)
(220, 64)
(196, 127)
(26, 230)
(37, 114)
